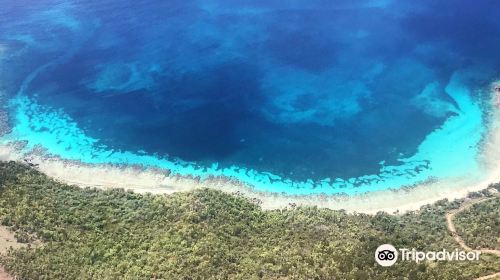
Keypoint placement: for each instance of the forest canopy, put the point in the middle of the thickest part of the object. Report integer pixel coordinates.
(206, 234)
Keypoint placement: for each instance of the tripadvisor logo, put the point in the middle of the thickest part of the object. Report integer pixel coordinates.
(387, 255)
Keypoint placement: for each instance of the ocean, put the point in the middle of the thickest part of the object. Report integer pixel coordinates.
(296, 97)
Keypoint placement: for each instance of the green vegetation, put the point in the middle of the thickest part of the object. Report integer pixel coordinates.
(479, 226)
(205, 234)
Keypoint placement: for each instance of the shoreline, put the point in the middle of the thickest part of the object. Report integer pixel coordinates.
(159, 181)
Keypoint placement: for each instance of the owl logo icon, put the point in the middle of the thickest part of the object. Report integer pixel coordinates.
(386, 255)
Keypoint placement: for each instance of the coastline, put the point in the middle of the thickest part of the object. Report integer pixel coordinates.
(158, 181)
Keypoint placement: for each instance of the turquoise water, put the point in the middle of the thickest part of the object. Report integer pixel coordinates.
(303, 98)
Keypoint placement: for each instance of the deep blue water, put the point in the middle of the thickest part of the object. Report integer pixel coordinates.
(305, 89)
